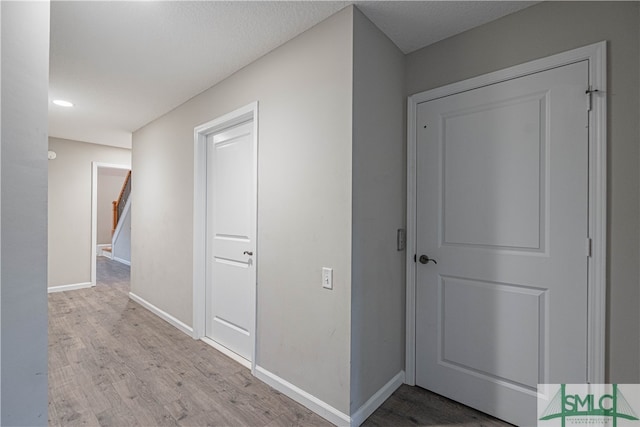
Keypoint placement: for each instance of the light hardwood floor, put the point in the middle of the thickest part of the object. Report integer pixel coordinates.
(113, 363)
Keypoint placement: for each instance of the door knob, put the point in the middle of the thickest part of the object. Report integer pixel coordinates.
(425, 259)
(248, 253)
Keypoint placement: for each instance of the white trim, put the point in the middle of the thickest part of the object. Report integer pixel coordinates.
(316, 405)
(100, 250)
(596, 55)
(410, 329)
(597, 275)
(122, 261)
(72, 287)
(162, 314)
(374, 402)
(243, 114)
(1, 139)
(230, 354)
(94, 211)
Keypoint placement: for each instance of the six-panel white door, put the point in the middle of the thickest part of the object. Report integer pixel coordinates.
(231, 229)
(502, 208)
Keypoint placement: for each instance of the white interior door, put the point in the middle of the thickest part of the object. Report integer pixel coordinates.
(231, 230)
(502, 186)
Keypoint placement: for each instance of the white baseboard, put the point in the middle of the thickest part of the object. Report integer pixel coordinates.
(230, 354)
(122, 261)
(321, 408)
(377, 399)
(71, 287)
(101, 252)
(162, 314)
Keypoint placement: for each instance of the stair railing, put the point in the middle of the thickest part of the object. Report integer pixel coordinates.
(118, 205)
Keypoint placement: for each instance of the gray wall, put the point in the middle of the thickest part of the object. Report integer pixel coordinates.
(379, 206)
(304, 89)
(0, 210)
(23, 266)
(543, 30)
(70, 207)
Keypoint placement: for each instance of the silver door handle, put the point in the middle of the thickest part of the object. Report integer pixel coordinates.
(248, 253)
(425, 260)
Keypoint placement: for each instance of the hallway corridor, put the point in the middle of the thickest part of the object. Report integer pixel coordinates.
(113, 363)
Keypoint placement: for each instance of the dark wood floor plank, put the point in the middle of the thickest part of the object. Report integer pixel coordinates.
(211, 418)
(413, 406)
(72, 407)
(300, 420)
(54, 418)
(182, 408)
(271, 398)
(146, 409)
(117, 412)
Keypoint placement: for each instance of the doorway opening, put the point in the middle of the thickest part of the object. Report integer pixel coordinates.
(110, 214)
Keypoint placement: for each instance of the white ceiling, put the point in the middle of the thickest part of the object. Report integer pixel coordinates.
(123, 64)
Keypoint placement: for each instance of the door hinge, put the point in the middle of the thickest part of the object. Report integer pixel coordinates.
(588, 246)
(590, 93)
(415, 257)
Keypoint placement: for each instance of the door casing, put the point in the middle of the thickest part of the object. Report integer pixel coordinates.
(243, 114)
(596, 55)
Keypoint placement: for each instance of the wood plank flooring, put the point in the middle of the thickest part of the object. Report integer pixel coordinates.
(113, 363)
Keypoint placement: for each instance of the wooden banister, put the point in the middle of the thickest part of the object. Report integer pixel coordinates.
(122, 198)
(115, 217)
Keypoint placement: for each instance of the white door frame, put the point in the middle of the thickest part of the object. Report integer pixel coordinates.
(596, 55)
(94, 210)
(246, 113)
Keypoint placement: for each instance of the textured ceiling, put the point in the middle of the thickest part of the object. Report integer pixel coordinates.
(124, 64)
(415, 24)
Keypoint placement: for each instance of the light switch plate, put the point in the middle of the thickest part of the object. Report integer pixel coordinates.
(327, 278)
(402, 239)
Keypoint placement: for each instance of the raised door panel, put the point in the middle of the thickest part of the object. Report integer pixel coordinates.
(502, 206)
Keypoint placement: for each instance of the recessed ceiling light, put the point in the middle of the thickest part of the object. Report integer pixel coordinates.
(62, 103)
